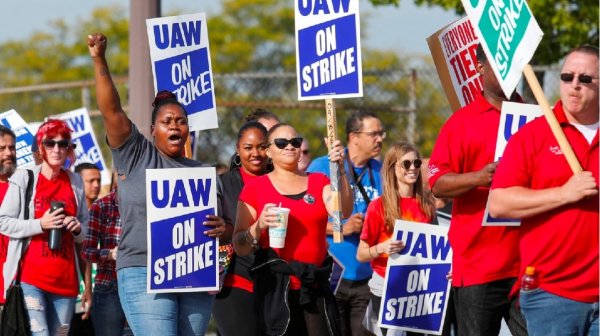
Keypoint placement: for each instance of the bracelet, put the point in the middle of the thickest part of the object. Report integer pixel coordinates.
(378, 253)
(250, 239)
(370, 254)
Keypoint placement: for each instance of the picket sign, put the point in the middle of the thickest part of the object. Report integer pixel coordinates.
(328, 65)
(509, 35)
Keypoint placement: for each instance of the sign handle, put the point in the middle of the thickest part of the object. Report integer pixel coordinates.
(187, 149)
(558, 133)
(334, 172)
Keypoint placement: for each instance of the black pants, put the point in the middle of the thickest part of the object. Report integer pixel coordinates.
(481, 308)
(352, 298)
(234, 313)
(309, 319)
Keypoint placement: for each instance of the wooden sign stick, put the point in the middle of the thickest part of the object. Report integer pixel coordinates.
(558, 133)
(334, 173)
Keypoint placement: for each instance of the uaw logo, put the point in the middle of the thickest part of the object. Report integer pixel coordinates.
(556, 150)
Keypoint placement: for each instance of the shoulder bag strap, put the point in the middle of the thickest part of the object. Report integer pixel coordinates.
(28, 195)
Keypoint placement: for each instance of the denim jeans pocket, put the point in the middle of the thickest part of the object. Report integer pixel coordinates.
(106, 288)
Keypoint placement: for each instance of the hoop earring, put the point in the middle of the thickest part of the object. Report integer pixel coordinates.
(239, 160)
(269, 160)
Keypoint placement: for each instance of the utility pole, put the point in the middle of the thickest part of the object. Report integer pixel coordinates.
(141, 87)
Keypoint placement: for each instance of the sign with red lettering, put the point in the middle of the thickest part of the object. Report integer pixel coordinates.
(453, 51)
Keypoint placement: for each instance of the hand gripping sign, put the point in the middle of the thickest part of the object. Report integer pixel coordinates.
(415, 296)
(11, 119)
(180, 58)
(181, 258)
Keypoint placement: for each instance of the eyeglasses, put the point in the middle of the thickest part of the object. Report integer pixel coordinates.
(281, 143)
(583, 79)
(305, 152)
(374, 134)
(407, 163)
(62, 144)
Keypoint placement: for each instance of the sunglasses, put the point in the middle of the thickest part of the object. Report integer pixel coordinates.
(407, 163)
(63, 144)
(281, 143)
(583, 79)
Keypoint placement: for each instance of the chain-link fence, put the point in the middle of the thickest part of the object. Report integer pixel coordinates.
(410, 102)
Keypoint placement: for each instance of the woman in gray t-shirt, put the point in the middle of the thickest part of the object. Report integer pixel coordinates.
(147, 313)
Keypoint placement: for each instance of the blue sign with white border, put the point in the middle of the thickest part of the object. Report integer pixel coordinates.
(328, 54)
(181, 258)
(415, 296)
(24, 138)
(180, 56)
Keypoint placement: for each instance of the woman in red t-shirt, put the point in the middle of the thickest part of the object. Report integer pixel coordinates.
(285, 276)
(403, 198)
(48, 272)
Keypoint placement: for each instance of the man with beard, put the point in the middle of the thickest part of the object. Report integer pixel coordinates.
(364, 134)
(8, 164)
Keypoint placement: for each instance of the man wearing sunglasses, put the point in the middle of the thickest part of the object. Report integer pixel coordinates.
(559, 209)
(485, 260)
(364, 134)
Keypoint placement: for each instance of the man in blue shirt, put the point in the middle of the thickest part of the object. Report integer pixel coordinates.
(364, 134)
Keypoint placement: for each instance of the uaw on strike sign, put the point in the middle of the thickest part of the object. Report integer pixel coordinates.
(415, 296)
(181, 64)
(181, 258)
(15, 122)
(328, 55)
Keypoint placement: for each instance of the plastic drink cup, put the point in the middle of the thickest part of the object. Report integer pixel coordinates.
(277, 233)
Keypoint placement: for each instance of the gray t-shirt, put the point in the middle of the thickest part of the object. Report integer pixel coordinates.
(131, 161)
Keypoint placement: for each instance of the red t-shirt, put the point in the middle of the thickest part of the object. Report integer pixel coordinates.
(307, 223)
(466, 143)
(3, 242)
(562, 244)
(374, 231)
(53, 272)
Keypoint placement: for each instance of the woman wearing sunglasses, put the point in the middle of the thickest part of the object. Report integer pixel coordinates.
(234, 305)
(175, 313)
(48, 273)
(291, 284)
(403, 198)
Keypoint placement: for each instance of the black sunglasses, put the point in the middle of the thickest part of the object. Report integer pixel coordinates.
(583, 79)
(281, 143)
(416, 162)
(60, 143)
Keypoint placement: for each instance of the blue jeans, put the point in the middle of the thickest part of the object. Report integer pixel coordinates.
(49, 314)
(549, 314)
(107, 315)
(165, 313)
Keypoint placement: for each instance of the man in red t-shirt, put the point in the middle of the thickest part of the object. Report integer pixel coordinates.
(8, 164)
(559, 209)
(485, 259)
